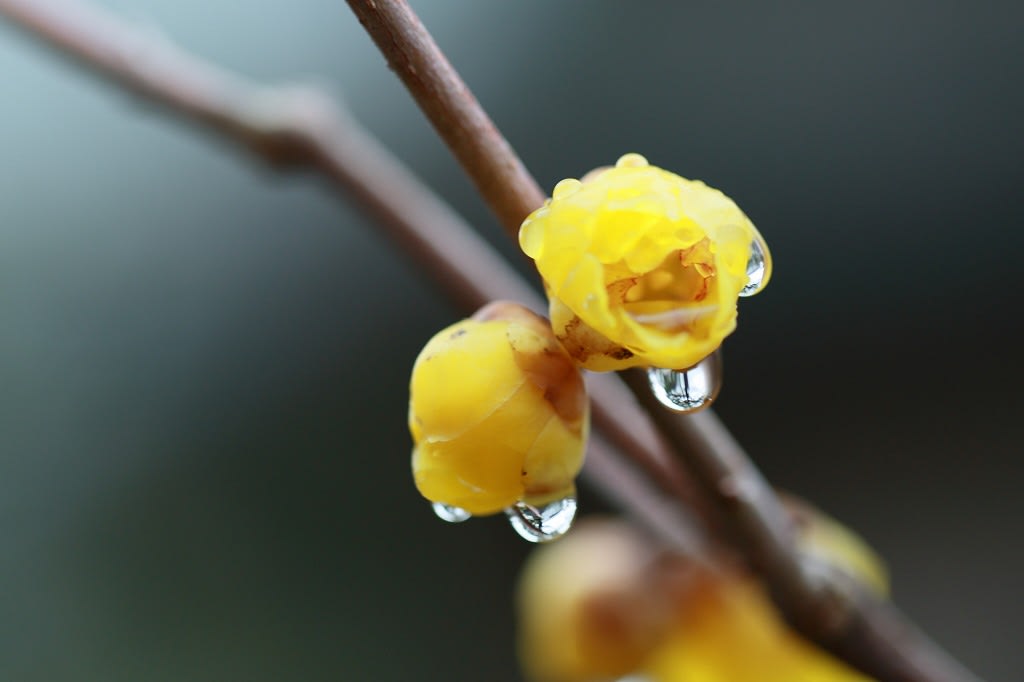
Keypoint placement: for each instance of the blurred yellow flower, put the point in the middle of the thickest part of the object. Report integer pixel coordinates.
(824, 539)
(730, 632)
(591, 606)
(498, 413)
(605, 603)
(642, 267)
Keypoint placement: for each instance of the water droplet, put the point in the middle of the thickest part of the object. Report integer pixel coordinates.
(566, 188)
(631, 160)
(545, 523)
(688, 390)
(450, 513)
(758, 268)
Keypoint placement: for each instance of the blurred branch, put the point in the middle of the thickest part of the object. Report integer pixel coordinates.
(866, 633)
(300, 128)
(291, 127)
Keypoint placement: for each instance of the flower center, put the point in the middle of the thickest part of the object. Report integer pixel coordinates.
(672, 295)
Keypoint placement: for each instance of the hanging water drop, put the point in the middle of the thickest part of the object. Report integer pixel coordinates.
(688, 390)
(544, 523)
(758, 268)
(450, 513)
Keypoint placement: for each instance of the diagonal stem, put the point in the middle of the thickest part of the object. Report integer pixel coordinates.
(450, 106)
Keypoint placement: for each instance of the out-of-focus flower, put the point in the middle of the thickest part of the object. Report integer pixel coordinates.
(730, 631)
(642, 267)
(592, 606)
(824, 539)
(498, 413)
(663, 618)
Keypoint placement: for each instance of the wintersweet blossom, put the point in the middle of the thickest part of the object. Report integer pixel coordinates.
(498, 413)
(605, 603)
(642, 267)
(592, 606)
(729, 631)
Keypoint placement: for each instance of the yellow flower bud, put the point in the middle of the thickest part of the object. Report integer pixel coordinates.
(642, 267)
(592, 606)
(730, 631)
(498, 413)
(605, 603)
(825, 539)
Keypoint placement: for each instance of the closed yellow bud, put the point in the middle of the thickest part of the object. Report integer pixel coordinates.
(642, 267)
(498, 413)
(825, 539)
(592, 607)
(730, 631)
(604, 603)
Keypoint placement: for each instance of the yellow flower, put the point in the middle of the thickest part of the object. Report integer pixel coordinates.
(591, 606)
(730, 631)
(498, 413)
(605, 603)
(821, 537)
(642, 267)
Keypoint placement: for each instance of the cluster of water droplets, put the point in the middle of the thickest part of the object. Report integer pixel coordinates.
(534, 523)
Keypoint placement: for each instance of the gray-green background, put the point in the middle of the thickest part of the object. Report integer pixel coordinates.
(203, 456)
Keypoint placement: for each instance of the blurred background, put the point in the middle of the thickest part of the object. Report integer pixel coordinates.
(203, 366)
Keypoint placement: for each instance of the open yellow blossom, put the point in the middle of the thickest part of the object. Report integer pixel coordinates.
(498, 413)
(642, 267)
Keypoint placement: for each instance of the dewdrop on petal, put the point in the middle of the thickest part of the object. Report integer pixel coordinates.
(688, 390)
(643, 267)
(499, 418)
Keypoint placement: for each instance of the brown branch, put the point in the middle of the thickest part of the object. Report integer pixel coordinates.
(459, 119)
(296, 128)
(290, 128)
(849, 623)
(823, 606)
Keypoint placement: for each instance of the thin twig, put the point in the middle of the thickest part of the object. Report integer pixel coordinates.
(450, 106)
(848, 623)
